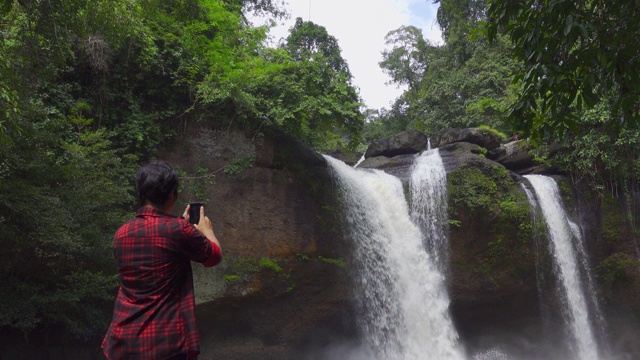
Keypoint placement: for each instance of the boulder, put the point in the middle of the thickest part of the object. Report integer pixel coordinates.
(349, 158)
(520, 157)
(461, 154)
(481, 137)
(406, 142)
(398, 166)
(514, 155)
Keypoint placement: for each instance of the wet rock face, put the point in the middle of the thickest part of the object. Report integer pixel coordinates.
(278, 322)
(398, 166)
(492, 283)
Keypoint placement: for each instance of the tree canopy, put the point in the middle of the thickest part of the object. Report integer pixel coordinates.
(91, 89)
(463, 83)
(575, 54)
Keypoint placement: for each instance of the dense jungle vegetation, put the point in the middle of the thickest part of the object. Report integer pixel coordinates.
(91, 89)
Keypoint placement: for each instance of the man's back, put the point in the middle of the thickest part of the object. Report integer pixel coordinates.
(154, 314)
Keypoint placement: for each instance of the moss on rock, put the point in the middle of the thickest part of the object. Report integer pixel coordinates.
(492, 242)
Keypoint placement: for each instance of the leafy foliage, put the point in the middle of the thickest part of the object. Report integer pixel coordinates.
(473, 94)
(59, 205)
(90, 89)
(574, 54)
(447, 88)
(473, 189)
(327, 103)
(595, 157)
(407, 61)
(303, 88)
(615, 268)
(459, 20)
(239, 164)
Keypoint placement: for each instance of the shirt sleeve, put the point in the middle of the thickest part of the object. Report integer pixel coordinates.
(195, 245)
(216, 256)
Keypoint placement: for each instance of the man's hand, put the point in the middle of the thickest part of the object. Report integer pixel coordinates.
(204, 226)
(205, 223)
(185, 215)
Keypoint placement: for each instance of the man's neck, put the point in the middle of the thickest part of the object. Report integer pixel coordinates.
(167, 207)
(162, 209)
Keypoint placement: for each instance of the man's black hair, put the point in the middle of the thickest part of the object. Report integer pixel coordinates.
(154, 182)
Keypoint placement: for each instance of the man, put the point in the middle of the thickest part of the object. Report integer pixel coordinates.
(154, 312)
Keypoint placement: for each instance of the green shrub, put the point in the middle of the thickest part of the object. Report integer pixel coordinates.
(338, 262)
(614, 268)
(269, 264)
(488, 128)
(238, 165)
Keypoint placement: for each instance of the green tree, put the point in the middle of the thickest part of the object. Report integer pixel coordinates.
(459, 21)
(475, 93)
(329, 105)
(62, 194)
(309, 41)
(574, 54)
(408, 59)
(443, 92)
(303, 88)
(599, 160)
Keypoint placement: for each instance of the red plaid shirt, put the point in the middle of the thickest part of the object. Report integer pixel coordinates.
(154, 314)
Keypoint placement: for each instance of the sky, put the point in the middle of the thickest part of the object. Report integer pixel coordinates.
(360, 27)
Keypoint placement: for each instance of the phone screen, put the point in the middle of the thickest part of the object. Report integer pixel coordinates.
(194, 212)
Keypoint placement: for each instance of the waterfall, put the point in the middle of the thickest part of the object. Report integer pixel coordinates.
(362, 158)
(592, 291)
(565, 246)
(540, 276)
(400, 294)
(429, 205)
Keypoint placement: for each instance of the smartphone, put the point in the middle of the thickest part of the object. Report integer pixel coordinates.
(194, 212)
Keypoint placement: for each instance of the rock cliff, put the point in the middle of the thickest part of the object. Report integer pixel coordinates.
(283, 289)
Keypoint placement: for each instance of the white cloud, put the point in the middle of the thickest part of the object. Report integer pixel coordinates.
(360, 27)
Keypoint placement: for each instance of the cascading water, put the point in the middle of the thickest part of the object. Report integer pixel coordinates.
(400, 293)
(362, 158)
(540, 276)
(429, 205)
(591, 289)
(564, 247)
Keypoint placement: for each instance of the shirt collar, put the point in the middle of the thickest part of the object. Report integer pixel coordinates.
(149, 211)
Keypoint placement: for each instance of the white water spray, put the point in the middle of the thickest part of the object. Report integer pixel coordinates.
(362, 158)
(400, 293)
(591, 289)
(429, 205)
(562, 247)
